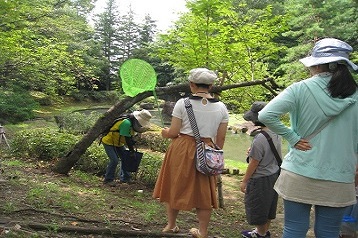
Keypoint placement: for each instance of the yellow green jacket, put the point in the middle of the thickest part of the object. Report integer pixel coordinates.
(118, 132)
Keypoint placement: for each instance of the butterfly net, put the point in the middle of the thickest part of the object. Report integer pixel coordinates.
(137, 76)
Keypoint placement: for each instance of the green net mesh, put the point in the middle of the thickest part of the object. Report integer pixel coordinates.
(137, 76)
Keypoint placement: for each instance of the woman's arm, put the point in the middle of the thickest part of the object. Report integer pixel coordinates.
(221, 134)
(271, 114)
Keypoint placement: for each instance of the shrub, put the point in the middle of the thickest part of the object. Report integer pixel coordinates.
(43, 144)
(42, 98)
(78, 123)
(16, 106)
(154, 141)
(48, 144)
(97, 96)
(149, 168)
(94, 160)
(78, 96)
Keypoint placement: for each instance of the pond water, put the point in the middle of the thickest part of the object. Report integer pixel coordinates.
(236, 146)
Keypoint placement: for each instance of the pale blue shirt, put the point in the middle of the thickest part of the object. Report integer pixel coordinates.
(334, 152)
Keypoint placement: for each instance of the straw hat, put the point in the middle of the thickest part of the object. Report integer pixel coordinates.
(143, 117)
(329, 50)
(202, 76)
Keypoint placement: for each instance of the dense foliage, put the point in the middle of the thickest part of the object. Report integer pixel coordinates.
(16, 106)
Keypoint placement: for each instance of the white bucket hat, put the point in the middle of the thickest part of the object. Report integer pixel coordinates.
(202, 76)
(143, 117)
(329, 50)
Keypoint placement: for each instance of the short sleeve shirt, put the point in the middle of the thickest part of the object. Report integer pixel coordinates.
(118, 131)
(125, 129)
(208, 116)
(260, 150)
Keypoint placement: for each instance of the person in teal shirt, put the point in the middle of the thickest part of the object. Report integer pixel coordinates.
(319, 169)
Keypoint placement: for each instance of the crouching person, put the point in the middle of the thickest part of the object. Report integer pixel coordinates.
(118, 138)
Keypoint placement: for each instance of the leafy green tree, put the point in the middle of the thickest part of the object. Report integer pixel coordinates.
(107, 25)
(121, 38)
(309, 21)
(146, 51)
(228, 37)
(16, 106)
(128, 37)
(40, 44)
(221, 36)
(147, 31)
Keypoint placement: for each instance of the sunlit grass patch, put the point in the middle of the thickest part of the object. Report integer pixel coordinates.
(234, 164)
(9, 206)
(14, 163)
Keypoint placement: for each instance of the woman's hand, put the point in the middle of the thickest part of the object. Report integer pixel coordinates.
(303, 145)
(165, 131)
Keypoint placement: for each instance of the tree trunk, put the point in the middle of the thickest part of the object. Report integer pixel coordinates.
(65, 164)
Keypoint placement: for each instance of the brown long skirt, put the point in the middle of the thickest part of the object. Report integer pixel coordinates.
(179, 183)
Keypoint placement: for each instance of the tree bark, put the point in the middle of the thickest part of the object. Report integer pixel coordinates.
(101, 231)
(65, 164)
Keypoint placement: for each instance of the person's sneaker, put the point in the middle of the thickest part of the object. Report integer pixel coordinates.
(254, 234)
(125, 182)
(110, 183)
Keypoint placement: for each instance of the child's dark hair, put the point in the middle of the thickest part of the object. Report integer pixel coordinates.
(257, 123)
(342, 83)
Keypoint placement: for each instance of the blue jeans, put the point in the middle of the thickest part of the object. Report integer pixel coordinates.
(297, 220)
(114, 153)
(349, 227)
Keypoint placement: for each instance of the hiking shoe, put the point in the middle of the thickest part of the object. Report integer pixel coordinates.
(110, 183)
(254, 234)
(126, 182)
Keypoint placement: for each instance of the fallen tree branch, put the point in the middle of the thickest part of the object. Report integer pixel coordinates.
(74, 217)
(57, 214)
(100, 231)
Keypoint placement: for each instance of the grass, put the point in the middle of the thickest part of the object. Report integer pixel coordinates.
(14, 163)
(234, 164)
(55, 200)
(85, 177)
(9, 207)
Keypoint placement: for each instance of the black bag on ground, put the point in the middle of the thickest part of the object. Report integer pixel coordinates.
(131, 163)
